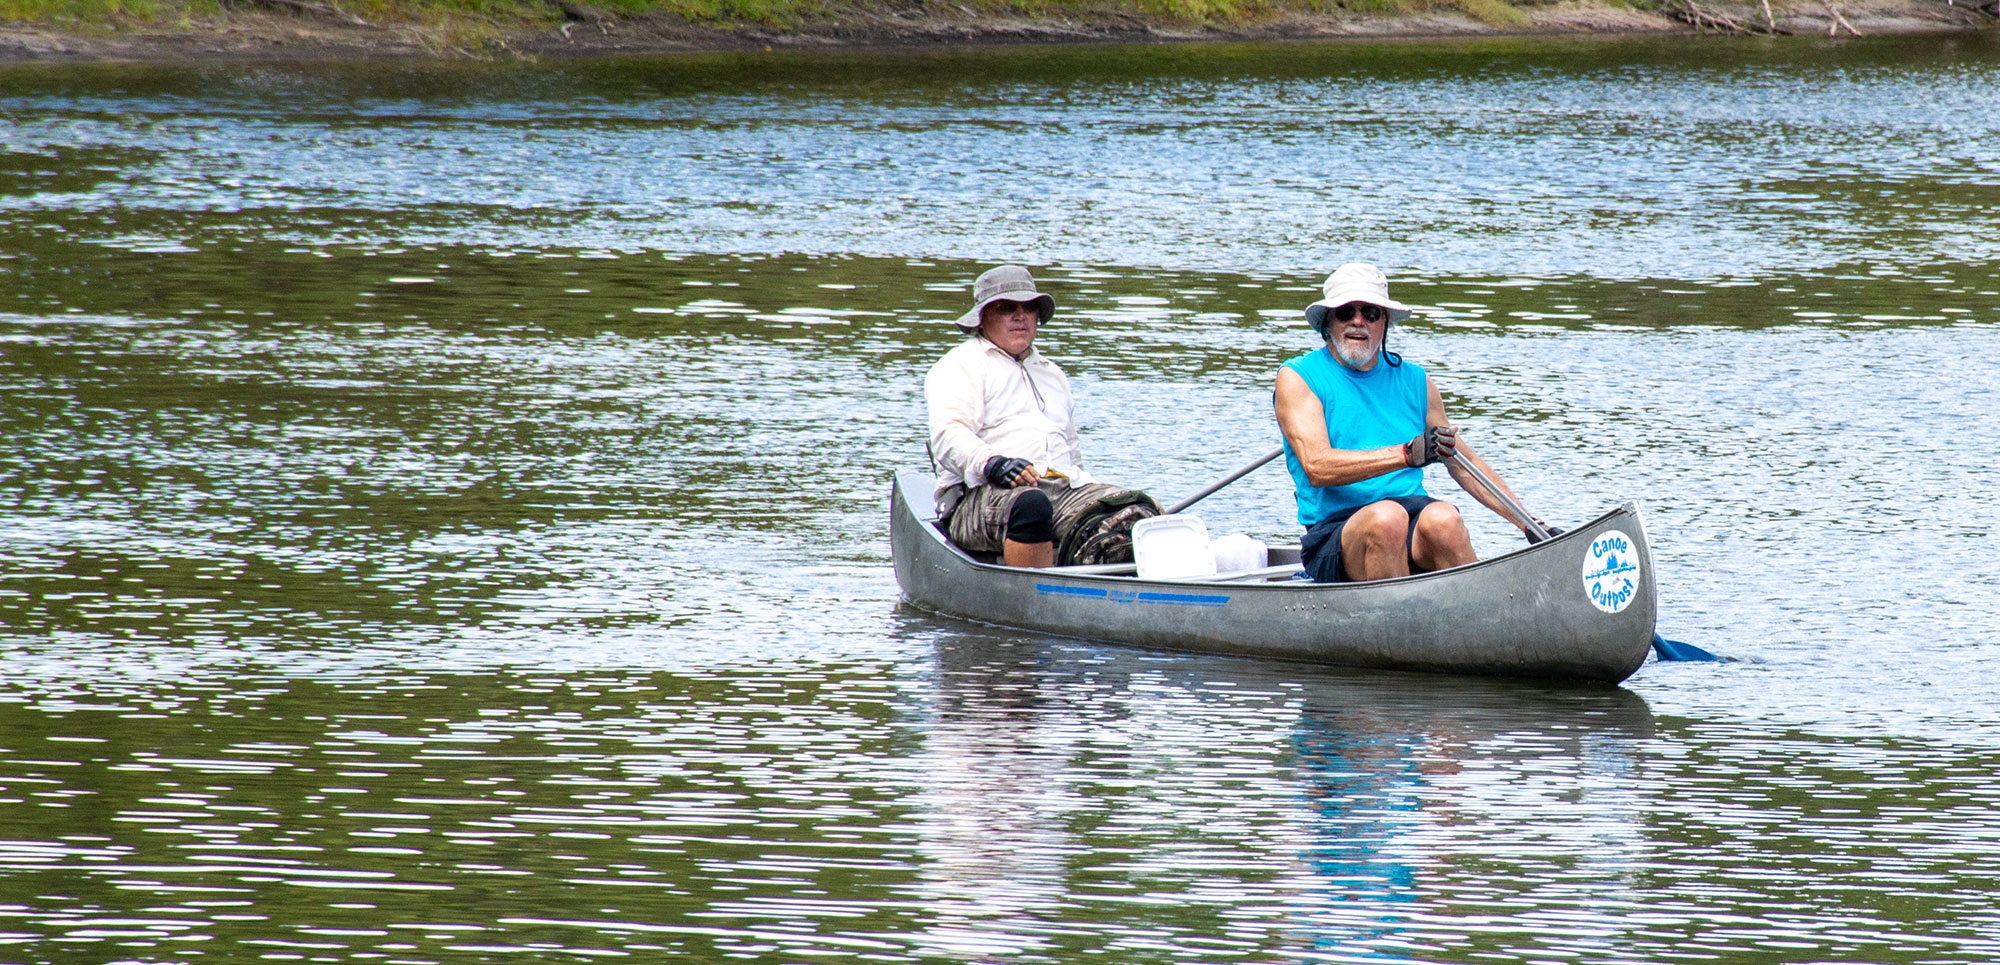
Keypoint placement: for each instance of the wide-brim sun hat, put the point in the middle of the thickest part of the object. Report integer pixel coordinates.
(1356, 281)
(1009, 282)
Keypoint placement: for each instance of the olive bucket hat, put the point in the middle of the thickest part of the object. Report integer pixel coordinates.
(1356, 281)
(1010, 282)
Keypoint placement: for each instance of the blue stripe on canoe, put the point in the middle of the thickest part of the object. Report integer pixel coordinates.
(1051, 589)
(1128, 596)
(1182, 599)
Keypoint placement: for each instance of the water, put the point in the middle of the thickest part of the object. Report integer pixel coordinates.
(444, 506)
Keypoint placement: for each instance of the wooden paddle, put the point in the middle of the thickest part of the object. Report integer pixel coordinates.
(1665, 648)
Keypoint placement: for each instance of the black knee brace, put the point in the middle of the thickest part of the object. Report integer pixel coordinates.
(1031, 518)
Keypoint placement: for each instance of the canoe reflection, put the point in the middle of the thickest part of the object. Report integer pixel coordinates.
(1067, 780)
(1401, 777)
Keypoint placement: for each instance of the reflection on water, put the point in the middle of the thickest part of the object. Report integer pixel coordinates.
(442, 512)
(981, 796)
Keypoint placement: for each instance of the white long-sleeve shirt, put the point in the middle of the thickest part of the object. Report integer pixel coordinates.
(984, 403)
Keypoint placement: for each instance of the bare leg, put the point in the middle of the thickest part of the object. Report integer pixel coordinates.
(1441, 541)
(1372, 545)
(1035, 555)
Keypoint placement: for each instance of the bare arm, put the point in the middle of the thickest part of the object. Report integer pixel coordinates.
(1465, 480)
(1302, 419)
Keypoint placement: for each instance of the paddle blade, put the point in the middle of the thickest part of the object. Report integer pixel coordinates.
(1676, 650)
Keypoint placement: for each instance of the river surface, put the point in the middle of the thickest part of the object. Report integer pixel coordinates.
(442, 506)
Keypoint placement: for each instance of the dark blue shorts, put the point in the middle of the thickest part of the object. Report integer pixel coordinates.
(1319, 551)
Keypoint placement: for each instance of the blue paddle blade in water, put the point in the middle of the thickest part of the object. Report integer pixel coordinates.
(1676, 650)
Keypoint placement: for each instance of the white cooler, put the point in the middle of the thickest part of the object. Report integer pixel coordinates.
(1172, 547)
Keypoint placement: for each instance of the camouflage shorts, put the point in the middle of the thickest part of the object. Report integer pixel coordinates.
(979, 523)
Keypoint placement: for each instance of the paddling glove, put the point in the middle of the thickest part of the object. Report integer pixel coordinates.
(1437, 444)
(1001, 470)
(1554, 531)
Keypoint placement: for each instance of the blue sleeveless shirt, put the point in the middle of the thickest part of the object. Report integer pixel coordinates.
(1384, 406)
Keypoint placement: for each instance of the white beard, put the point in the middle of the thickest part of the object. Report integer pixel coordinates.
(1358, 359)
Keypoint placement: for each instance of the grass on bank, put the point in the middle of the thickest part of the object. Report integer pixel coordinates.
(765, 14)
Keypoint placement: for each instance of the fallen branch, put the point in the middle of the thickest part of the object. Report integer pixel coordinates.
(1838, 21)
(323, 9)
(1701, 18)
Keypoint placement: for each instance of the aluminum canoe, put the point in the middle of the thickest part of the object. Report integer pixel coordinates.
(1579, 606)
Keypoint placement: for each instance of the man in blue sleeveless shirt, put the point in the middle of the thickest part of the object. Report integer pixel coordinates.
(1359, 425)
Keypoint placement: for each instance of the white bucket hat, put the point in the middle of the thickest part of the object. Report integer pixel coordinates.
(1356, 281)
(1010, 282)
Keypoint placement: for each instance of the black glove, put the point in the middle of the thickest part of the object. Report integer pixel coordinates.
(1001, 470)
(1437, 444)
(1553, 531)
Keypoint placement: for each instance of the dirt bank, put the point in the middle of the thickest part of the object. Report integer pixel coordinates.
(314, 31)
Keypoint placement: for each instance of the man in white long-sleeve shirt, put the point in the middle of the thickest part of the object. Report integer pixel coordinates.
(1003, 433)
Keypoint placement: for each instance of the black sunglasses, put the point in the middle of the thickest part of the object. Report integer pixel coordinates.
(1369, 313)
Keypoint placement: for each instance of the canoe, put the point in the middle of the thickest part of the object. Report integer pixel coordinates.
(1579, 606)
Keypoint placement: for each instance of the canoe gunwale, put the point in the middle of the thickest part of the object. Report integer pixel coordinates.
(944, 542)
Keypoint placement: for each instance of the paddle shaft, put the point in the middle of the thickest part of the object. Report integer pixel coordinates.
(1226, 480)
(1519, 512)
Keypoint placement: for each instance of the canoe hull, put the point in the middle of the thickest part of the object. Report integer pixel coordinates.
(1528, 613)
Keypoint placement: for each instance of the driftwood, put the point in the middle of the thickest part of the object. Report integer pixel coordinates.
(1705, 18)
(307, 6)
(1839, 21)
(1709, 19)
(1699, 18)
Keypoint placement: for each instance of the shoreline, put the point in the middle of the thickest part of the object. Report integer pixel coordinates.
(327, 33)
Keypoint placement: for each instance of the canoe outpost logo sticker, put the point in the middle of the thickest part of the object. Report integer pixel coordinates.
(1611, 571)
